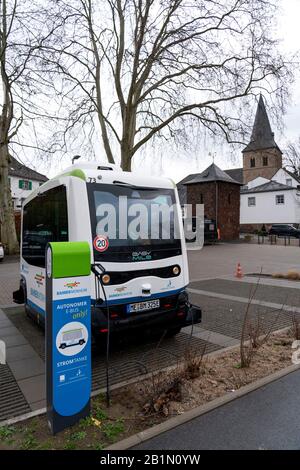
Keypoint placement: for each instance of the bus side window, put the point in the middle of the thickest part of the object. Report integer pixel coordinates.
(45, 219)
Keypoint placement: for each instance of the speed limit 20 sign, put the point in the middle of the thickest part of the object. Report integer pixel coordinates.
(101, 243)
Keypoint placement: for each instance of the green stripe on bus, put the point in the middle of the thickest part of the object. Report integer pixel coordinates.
(78, 173)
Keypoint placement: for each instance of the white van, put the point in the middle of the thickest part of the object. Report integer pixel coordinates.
(145, 279)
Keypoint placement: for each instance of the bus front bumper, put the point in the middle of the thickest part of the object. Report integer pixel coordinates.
(182, 314)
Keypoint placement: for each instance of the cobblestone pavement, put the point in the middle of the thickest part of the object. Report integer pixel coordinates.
(9, 280)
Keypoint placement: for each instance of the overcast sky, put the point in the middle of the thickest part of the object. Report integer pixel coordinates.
(172, 162)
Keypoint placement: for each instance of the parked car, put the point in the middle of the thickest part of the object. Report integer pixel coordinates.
(284, 230)
(1, 252)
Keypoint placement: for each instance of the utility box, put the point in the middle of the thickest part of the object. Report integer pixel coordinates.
(68, 333)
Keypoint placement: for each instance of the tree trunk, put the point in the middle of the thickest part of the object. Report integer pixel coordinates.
(7, 217)
(125, 159)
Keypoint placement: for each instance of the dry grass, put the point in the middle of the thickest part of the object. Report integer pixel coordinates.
(290, 275)
(295, 328)
(254, 334)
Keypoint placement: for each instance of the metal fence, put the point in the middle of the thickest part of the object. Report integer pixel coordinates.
(276, 240)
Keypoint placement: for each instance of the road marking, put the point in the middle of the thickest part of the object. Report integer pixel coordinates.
(245, 300)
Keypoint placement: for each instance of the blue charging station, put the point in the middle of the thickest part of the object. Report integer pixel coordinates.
(68, 333)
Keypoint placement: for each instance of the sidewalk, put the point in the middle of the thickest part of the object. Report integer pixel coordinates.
(266, 419)
(9, 279)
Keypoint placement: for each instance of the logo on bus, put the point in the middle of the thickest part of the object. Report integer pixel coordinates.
(39, 278)
(101, 243)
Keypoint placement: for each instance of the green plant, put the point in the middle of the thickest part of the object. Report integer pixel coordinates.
(112, 430)
(99, 446)
(29, 442)
(100, 414)
(70, 445)
(6, 432)
(86, 422)
(78, 436)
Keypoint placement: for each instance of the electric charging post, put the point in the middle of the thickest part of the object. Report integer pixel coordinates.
(68, 333)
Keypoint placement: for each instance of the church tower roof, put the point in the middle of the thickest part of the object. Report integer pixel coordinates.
(262, 136)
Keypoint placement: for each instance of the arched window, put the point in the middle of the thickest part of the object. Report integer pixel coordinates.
(252, 162)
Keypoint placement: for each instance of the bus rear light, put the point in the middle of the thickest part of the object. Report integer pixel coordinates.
(114, 315)
(104, 330)
(180, 314)
(167, 305)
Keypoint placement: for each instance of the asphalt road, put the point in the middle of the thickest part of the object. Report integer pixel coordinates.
(266, 419)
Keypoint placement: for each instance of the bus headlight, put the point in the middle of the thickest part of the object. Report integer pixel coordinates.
(106, 278)
(176, 270)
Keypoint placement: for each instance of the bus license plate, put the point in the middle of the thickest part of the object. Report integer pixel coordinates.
(142, 306)
(211, 227)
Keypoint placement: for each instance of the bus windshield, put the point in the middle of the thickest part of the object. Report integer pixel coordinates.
(139, 223)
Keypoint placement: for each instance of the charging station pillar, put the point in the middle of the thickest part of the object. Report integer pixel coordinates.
(68, 333)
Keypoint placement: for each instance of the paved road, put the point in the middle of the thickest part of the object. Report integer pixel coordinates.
(211, 262)
(266, 419)
(221, 260)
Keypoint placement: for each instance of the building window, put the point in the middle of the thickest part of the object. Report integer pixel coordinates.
(229, 198)
(201, 199)
(280, 199)
(289, 182)
(24, 184)
(252, 162)
(251, 201)
(265, 161)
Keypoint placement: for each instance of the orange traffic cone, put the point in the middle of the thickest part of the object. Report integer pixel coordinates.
(239, 272)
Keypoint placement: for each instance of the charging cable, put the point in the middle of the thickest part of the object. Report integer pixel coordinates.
(98, 270)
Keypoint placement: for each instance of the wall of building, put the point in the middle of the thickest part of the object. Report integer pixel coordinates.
(227, 196)
(19, 194)
(267, 212)
(257, 182)
(281, 176)
(274, 164)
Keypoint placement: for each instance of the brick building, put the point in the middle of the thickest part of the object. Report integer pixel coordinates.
(220, 195)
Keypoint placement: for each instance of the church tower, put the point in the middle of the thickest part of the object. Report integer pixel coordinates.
(262, 156)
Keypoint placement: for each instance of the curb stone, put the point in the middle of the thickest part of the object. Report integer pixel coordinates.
(200, 410)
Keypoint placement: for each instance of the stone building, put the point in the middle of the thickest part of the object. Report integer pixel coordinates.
(220, 195)
(262, 156)
(270, 193)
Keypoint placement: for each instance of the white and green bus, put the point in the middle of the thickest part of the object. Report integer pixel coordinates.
(144, 277)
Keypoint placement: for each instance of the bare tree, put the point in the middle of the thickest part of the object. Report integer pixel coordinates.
(292, 157)
(155, 68)
(22, 31)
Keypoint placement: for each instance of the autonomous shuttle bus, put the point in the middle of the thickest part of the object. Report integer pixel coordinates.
(144, 271)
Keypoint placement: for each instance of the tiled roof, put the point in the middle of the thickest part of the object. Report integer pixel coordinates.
(267, 187)
(17, 169)
(236, 174)
(212, 173)
(262, 136)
